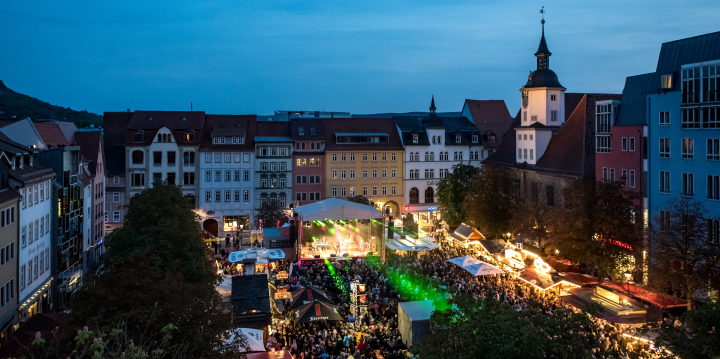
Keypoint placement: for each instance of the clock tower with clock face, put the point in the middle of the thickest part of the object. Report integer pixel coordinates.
(543, 107)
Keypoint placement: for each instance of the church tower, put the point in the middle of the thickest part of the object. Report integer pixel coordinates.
(543, 106)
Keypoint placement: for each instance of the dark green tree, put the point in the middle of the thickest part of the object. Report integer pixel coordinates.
(683, 256)
(158, 272)
(272, 216)
(451, 192)
(489, 329)
(533, 214)
(489, 203)
(359, 199)
(596, 225)
(697, 336)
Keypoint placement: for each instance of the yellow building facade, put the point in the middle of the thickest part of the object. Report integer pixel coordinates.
(365, 157)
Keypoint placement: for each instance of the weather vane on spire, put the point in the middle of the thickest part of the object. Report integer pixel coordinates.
(542, 11)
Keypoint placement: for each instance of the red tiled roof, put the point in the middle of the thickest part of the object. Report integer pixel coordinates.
(89, 142)
(490, 115)
(51, 134)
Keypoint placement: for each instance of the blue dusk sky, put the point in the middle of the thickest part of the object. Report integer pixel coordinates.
(257, 56)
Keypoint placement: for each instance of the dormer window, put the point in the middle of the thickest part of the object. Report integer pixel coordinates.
(190, 136)
(666, 82)
(312, 131)
(301, 131)
(491, 138)
(475, 138)
(150, 118)
(415, 138)
(164, 137)
(218, 140)
(138, 136)
(457, 139)
(238, 140)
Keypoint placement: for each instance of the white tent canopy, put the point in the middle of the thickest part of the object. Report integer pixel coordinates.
(409, 244)
(475, 266)
(254, 338)
(336, 209)
(464, 261)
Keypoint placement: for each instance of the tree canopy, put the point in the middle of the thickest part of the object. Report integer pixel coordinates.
(489, 203)
(452, 190)
(158, 272)
(359, 199)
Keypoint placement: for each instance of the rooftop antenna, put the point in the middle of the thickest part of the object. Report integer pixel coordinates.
(190, 106)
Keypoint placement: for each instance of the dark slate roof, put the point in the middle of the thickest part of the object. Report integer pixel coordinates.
(273, 129)
(543, 78)
(89, 142)
(414, 125)
(174, 120)
(632, 110)
(490, 116)
(543, 48)
(674, 54)
(52, 135)
(114, 124)
(395, 114)
(306, 123)
(251, 292)
(115, 160)
(229, 126)
(365, 125)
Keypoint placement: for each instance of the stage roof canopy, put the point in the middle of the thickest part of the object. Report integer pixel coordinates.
(337, 209)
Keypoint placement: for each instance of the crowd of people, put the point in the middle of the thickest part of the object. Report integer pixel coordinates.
(374, 333)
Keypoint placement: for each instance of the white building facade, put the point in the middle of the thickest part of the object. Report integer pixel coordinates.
(226, 173)
(433, 145)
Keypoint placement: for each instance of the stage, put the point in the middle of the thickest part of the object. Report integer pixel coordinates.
(335, 228)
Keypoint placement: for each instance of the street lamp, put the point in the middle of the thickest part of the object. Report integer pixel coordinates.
(628, 277)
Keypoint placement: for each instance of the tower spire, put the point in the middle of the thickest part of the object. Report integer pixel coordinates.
(432, 105)
(543, 53)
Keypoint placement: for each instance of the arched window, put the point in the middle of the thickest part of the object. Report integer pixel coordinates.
(427, 156)
(429, 195)
(138, 157)
(455, 156)
(439, 140)
(460, 156)
(432, 156)
(414, 196)
(433, 140)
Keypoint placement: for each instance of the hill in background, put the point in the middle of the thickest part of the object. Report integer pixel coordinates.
(21, 106)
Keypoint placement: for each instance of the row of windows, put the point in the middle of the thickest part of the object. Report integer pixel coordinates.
(314, 179)
(554, 115)
(35, 268)
(312, 162)
(344, 174)
(227, 175)
(627, 177)
(313, 146)
(429, 173)
(303, 196)
(688, 184)
(227, 196)
(273, 166)
(33, 231)
(603, 144)
(713, 225)
(7, 216)
(688, 148)
(273, 151)
(443, 156)
(438, 139)
(234, 140)
(7, 253)
(35, 194)
(523, 154)
(344, 157)
(273, 183)
(350, 192)
(7, 292)
(115, 197)
(272, 201)
(227, 157)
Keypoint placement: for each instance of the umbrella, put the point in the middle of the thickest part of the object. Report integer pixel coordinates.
(307, 295)
(314, 311)
(254, 338)
(482, 268)
(464, 261)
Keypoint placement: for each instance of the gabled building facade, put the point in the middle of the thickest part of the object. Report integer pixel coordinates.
(433, 145)
(225, 180)
(308, 160)
(492, 118)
